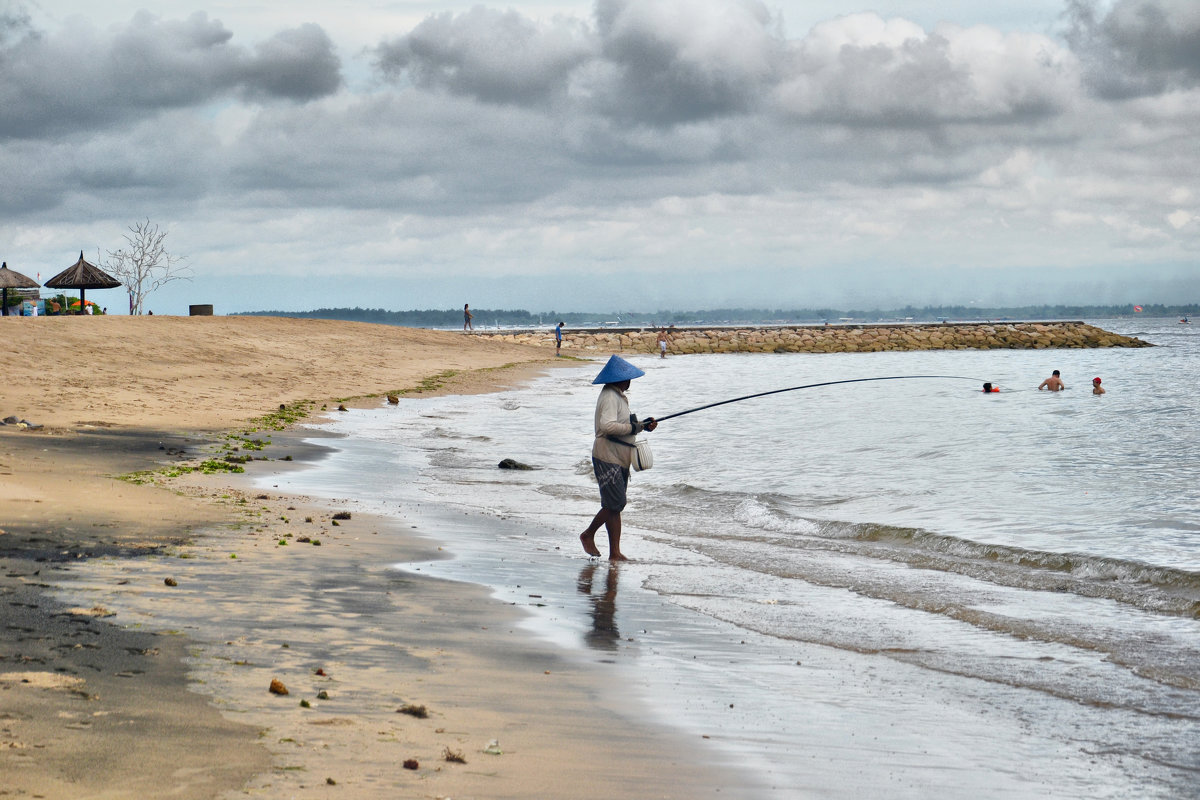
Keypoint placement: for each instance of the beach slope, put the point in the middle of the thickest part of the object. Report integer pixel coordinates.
(91, 705)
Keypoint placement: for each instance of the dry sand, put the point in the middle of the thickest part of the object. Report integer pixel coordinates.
(96, 697)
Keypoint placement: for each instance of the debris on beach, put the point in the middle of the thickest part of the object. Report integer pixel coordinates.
(319, 671)
(342, 407)
(342, 515)
(511, 463)
(413, 711)
(170, 582)
(393, 399)
(411, 763)
(23, 424)
(277, 687)
(94, 611)
(322, 695)
(453, 756)
(493, 748)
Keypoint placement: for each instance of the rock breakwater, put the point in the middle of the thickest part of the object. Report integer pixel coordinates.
(831, 338)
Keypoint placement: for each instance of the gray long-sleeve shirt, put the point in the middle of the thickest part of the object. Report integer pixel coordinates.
(612, 419)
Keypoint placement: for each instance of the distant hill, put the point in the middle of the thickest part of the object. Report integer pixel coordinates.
(486, 317)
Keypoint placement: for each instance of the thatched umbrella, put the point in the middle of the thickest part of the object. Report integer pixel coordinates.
(81, 276)
(10, 279)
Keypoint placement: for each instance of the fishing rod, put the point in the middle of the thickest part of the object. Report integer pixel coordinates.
(811, 386)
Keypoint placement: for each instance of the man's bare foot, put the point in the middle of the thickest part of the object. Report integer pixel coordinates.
(616, 557)
(589, 544)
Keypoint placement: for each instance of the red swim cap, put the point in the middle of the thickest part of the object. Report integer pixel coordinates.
(1095, 380)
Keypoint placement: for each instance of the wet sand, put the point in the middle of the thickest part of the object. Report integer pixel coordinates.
(144, 624)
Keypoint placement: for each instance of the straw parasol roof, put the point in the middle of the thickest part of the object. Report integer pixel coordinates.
(81, 276)
(11, 279)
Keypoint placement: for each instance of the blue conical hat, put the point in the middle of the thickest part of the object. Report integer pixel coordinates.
(616, 370)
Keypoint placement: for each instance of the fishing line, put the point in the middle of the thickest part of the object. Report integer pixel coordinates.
(811, 386)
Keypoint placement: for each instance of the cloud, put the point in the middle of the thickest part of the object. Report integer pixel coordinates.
(671, 61)
(297, 64)
(649, 140)
(493, 56)
(863, 70)
(678, 62)
(1140, 47)
(1180, 218)
(79, 78)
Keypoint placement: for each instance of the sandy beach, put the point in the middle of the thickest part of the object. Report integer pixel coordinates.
(156, 683)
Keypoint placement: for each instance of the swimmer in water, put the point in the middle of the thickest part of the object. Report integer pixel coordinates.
(1053, 383)
(1096, 387)
(988, 388)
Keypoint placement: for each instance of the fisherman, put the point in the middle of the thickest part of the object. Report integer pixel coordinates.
(612, 453)
(558, 339)
(1053, 383)
(1096, 387)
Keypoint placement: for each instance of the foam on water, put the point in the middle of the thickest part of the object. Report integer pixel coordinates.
(1017, 573)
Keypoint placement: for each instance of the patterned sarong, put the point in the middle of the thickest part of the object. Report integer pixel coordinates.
(613, 480)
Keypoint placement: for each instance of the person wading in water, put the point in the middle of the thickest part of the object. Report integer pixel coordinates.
(610, 459)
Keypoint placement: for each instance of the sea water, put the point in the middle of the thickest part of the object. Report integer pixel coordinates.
(902, 588)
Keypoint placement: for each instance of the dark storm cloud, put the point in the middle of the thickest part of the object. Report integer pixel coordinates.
(493, 56)
(655, 62)
(297, 64)
(681, 62)
(78, 77)
(669, 62)
(1139, 48)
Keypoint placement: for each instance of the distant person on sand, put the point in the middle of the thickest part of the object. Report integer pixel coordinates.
(558, 339)
(663, 338)
(611, 457)
(1053, 383)
(1096, 387)
(467, 317)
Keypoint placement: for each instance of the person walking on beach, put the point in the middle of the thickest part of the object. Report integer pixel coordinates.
(1096, 387)
(1053, 383)
(558, 339)
(663, 338)
(467, 317)
(612, 453)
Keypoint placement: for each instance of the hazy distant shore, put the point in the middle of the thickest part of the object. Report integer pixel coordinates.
(452, 319)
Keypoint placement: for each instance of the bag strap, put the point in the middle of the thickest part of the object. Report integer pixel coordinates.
(612, 438)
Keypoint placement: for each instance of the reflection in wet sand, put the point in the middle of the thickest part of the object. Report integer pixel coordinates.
(604, 634)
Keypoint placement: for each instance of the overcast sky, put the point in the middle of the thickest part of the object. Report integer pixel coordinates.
(609, 156)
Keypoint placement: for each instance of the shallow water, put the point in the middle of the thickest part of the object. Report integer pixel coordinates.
(905, 588)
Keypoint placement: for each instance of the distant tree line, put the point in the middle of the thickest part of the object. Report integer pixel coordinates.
(517, 318)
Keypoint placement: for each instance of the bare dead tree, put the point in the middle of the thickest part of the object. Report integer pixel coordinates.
(145, 265)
